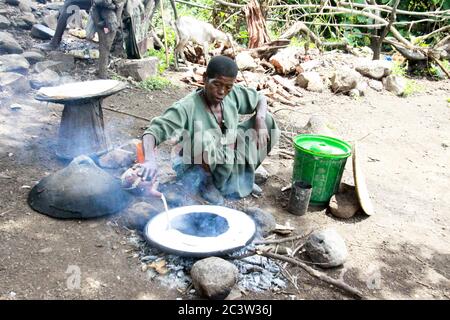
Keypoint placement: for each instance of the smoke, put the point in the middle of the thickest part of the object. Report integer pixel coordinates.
(200, 224)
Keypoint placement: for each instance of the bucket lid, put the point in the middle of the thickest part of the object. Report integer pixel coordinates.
(322, 146)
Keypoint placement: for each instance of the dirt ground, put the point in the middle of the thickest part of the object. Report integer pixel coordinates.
(401, 252)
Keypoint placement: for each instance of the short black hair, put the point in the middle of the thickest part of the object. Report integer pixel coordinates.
(221, 66)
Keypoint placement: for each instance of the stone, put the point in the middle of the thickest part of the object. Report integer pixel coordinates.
(326, 248)
(63, 65)
(4, 22)
(13, 2)
(26, 6)
(344, 204)
(354, 93)
(344, 80)
(317, 125)
(56, 6)
(29, 20)
(51, 19)
(309, 65)
(33, 56)
(44, 65)
(375, 69)
(137, 216)
(8, 44)
(47, 78)
(138, 69)
(376, 85)
(117, 158)
(67, 60)
(245, 61)
(214, 277)
(311, 81)
(265, 222)
(14, 82)
(261, 175)
(14, 63)
(42, 32)
(361, 87)
(395, 84)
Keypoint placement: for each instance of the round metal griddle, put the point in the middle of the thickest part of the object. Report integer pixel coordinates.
(200, 230)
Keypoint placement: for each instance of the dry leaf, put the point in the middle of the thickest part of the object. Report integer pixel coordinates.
(159, 266)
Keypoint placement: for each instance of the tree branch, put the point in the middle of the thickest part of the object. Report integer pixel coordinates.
(313, 272)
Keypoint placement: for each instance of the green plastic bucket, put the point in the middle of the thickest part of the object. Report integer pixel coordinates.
(320, 161)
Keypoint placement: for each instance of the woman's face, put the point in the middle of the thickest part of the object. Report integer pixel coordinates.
(217, 88)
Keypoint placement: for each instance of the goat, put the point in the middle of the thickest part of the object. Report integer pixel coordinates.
(200, 32)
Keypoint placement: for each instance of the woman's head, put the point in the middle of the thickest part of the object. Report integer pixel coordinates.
(219, 78)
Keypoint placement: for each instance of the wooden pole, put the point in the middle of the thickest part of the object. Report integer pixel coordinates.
(166, 48)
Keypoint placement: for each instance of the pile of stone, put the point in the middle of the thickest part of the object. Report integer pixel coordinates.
(213, 277)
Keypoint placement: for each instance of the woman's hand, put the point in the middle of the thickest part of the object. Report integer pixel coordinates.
(262, 134)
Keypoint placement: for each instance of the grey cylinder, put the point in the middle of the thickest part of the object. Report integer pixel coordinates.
(299, 198)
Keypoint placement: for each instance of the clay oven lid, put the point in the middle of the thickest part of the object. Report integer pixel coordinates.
(81, 190)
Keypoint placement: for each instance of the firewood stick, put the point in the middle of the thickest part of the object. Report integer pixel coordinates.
(285, 101)
(289, 88)
(315, 273)
(126, 113)
(277, 241)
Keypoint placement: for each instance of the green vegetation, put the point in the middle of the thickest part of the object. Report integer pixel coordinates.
(161, 55)
(155, 83)
(412, 87)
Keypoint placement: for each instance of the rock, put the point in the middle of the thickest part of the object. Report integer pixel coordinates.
(26, 6)
(317, 125)
(261, 175)
(326, 248)
(138, 69)
(47, 78)
(344, 80)
(361, 87)
(309, 65)
(311, 81)
(44, 65)
(116, 158)
(354, 93)
(245, 61)
(40, 31)
(51, 19)
(137, 216)
(376, 85)
(265, 222)
(14, 82)
(13, 2)
(4, 22)
(14, 63)
(362, 52)
(375, 69)
(63, 65)
(214, 277)
(344, 204)
(56, 6)
(395, 84)
(33, 56)
(29, 20)
(8, 44)
(67, 60)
